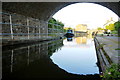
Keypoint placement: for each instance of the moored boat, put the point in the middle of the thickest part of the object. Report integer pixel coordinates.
(69, 33)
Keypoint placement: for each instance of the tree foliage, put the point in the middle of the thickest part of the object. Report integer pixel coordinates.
(99, 28)
(70, 28)
(117, 25)
(110, 27)
(56, 23)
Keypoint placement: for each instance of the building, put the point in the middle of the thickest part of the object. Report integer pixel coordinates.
(81, 28)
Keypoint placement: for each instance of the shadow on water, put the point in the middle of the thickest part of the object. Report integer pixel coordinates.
(34, 62)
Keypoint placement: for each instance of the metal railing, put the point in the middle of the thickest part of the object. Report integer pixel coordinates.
(14, 29)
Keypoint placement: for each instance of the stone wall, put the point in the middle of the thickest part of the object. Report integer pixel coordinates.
(22, 27)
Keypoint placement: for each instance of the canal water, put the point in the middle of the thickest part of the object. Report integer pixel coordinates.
(77, 56)
(65, 58)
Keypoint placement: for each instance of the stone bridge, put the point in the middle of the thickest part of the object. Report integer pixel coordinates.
(45, 10)
(30, 18)
(41, 12)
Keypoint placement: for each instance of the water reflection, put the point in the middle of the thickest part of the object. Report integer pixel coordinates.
(69, 39)
(81, 40)
(77, 56)
(52, 59)
(22, 62)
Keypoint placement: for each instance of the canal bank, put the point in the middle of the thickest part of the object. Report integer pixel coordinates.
(107, 50)
(26, 41)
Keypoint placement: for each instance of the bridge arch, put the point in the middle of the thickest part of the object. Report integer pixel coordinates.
(45, 10)
(109, 5)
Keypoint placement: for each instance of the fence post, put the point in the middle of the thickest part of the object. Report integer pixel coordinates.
(57, 30)
(33, 35)
(39, 30)
(11, 27)
(28, 28)
(11, 65)
(28, 55)
(53, 30)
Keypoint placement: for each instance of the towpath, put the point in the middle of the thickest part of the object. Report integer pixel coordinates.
(111, 47)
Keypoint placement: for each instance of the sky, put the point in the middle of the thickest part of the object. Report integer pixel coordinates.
(94, 15)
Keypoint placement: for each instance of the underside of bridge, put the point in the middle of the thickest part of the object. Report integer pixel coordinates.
(29, 20)
(45, 10)
(24, 22)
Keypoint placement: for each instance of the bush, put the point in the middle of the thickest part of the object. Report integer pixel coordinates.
(114, 32)
(112, 73)
(117, 25)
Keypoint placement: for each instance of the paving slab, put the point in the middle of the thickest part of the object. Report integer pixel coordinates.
(111, 46)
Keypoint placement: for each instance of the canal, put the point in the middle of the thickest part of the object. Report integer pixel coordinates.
(69, 58)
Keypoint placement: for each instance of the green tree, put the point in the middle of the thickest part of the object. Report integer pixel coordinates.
(52, 20)
(60, 23)
(117, 25)
(99, 28)
(110, 27)
(56, 23)
(70, 28)
(58, 26)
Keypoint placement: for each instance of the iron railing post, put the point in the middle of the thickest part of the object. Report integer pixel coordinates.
(11, 27)
(28, 28)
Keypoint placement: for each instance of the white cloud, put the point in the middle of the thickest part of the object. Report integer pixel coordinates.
(93, 15)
